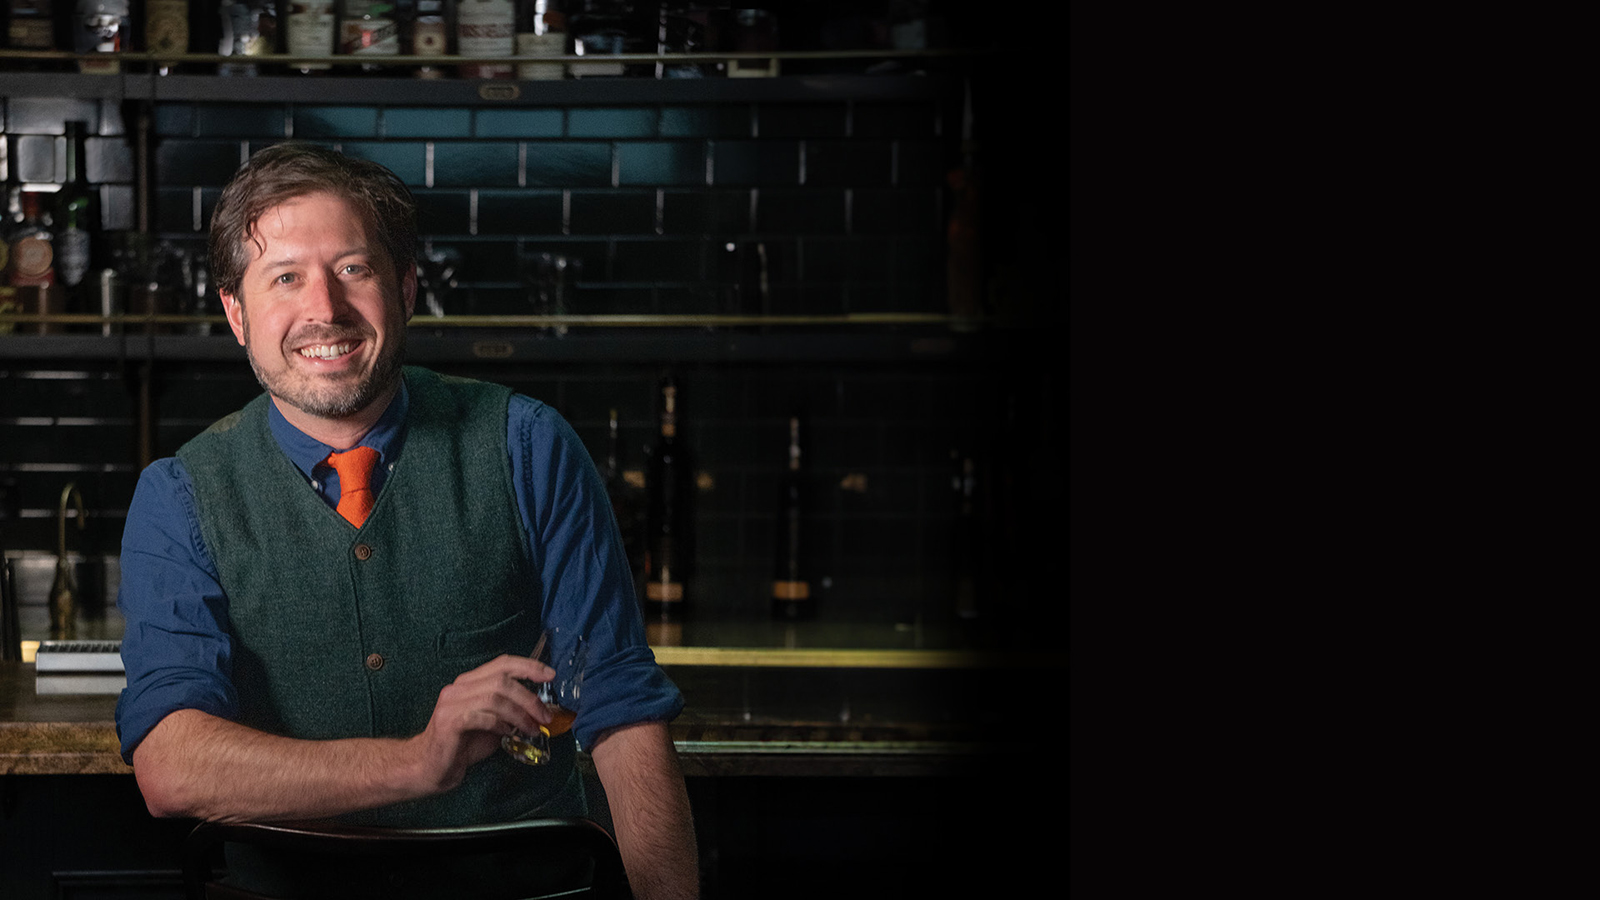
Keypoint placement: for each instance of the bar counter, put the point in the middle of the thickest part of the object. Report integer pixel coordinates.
(61, 734)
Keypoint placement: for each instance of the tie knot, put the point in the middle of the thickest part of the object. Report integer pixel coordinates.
(354, 466)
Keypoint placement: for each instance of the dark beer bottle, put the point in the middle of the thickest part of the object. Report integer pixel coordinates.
(791, 580)
(669, 518)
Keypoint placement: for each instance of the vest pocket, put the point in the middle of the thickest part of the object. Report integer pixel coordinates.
(467, 648)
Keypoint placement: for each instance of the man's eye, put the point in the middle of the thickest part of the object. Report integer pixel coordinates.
(285, 278)
(354, 269)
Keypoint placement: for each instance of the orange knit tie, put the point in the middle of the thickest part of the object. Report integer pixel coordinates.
(355, 482)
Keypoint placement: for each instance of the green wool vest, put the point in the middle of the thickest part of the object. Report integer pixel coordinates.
(340, 632)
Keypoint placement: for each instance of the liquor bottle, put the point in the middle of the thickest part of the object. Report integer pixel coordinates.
(101, 26)
(541, 31)
(430, 36)
(791, 578)
(966, 550)
(166, 30)
(626, 502)
(249, 29)
(32, 267)
(77, 222)
(309, 30)
(31, 25)
(485, 28)
(601, 28)
(369, 29)
(669, 518)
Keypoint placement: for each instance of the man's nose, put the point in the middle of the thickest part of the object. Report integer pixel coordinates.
(324, 298)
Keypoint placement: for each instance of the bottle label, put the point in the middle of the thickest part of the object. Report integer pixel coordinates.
(73, 255)
(370, 37)
(551, 43)
(31, 259)
(664, 591)
(791, 590)
(310, 30)
(32, 34)
(166, 26)
(429, 38)
(485, 28)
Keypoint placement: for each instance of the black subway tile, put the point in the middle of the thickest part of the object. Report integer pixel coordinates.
(519, 212)
(613, 212)
(847, 163)
(755, 162)
(847, 259)
(709, 212)
(657, 260)
(893, 120)
(447, 212)
(174, 120)
(794, 211)
(921, 163)
(895, 211)
(174, 209)
(801, 120)
(180, 162)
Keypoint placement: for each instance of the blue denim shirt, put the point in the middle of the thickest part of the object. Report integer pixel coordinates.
(177, 649)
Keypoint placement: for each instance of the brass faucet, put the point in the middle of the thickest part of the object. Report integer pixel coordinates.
(64, 593)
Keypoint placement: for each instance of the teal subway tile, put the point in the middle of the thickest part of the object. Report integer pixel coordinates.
(720, 121)
(174, 120)
(613, 212)
(568, 164)
(240, 120)
(335, 121)
(475, 164)
(519, 212)
(612, 122)
(407, 159)
(661, 163)
(518, 123)
(427, 122)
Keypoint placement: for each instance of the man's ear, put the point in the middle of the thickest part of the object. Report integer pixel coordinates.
(408, 291)
(234, 308)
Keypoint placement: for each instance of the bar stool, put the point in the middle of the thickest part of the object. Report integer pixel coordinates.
(508, 860)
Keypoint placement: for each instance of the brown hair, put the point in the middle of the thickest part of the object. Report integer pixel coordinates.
(285, 171)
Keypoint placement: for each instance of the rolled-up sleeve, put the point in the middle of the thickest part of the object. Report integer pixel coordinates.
(587, 588)
(176, 646)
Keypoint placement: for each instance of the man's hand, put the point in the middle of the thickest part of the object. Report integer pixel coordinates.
(195, 764)
(475, 711)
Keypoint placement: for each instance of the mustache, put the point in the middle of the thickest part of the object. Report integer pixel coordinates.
(327, 334)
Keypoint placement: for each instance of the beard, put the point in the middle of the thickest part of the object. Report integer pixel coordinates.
(329, 398)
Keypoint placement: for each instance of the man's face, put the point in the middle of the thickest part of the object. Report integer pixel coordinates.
(318, 311)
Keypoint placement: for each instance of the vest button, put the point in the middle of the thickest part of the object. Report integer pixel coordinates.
(363, 552)
(374, 661)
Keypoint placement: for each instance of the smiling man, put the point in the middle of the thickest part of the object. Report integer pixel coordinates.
(290, 657)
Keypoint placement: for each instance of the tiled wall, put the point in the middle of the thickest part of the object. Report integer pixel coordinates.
(815, 207)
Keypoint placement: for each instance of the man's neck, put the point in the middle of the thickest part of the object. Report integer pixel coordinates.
(342, 433)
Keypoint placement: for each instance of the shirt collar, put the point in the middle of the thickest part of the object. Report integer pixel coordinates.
(306, 452)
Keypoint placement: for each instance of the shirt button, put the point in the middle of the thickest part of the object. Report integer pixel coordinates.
(363, 552)
(375, 661)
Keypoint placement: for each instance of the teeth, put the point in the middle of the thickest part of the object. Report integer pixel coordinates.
(325, 351)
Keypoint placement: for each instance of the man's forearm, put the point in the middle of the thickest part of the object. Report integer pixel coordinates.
(195, 764)
(650, 807)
